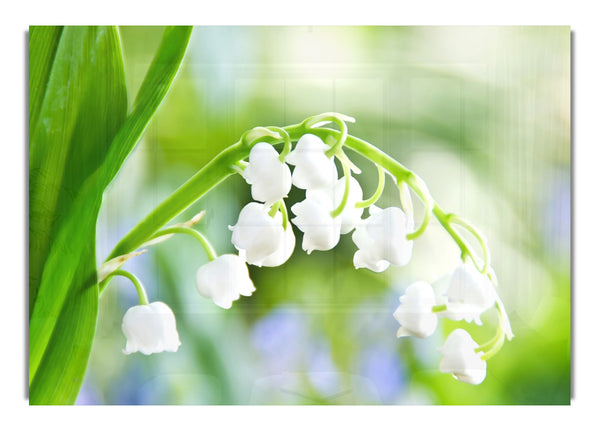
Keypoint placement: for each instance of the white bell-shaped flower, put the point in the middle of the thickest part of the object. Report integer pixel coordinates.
(350, 215)
(469, 294)
(150, 329)
(460, 359)
(415, 313)
(381, 239)
(313, 217)
(285, 249)
(313, 169)
(270, 179)
(257, 233)
(224, 280)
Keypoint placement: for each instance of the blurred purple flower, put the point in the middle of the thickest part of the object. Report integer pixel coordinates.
(383, 367)
(128, 391)
(281, 338)
(557, 221)
(88, 395)
(323, 374)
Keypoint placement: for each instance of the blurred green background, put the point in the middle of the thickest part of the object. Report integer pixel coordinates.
(482, 114)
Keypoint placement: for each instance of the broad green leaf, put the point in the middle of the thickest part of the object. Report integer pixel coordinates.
(75, 151)
(71, 265)
(84, 105)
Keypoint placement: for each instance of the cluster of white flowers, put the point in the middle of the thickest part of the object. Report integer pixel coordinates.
(333, 206)
(463, 295)
(263, 238)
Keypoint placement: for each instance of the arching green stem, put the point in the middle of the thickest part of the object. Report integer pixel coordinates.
(287, 142)
(340, 121)
(503, 331)
(143, 298)
(213, 173)
(478, 236)
(494, 340)
(341, 140)
(465, 250)
(414, 235)
(336, 212)
(495, 348)
(206, 245)
(420, 189)
(343, 158)
(220, 168)
(405, 198)
(380, 186)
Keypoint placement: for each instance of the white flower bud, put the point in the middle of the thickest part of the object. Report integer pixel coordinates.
(257, 233)
(150, 329)
(460, 359)
(469, 294)
(270, 179)
(313, 217)
(224, 280)
(381, 239)
(313, 169)
(415, 311)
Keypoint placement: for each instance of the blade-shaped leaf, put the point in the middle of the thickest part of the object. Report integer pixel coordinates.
(84, 105)
(62, 367)
(153, 90)
(75, 151)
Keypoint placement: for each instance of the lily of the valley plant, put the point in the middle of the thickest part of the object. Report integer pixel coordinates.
(334, 205)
